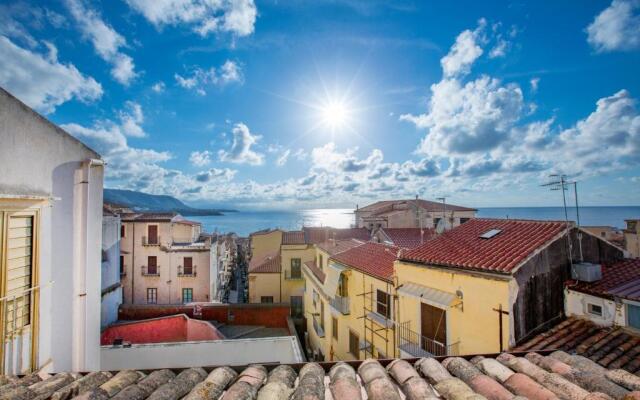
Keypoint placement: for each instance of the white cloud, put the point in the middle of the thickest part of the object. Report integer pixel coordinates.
(131, 120)
(241, 151)
(464, 52)
(205, 17)
(158, 87)
(106, 41)
(216, 174)
(617, 27)
(200, 158)
(534, 82)
(227, 73)
(283, 158)
(41, 81)
(500, 49)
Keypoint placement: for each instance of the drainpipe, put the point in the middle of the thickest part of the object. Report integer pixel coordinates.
(79, 316)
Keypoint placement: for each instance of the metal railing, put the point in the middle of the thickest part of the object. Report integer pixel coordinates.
(341, 304)
(150, 271)
(319, 329)
(151, 241)
(420, 346)
(291, 276)
(187, 271)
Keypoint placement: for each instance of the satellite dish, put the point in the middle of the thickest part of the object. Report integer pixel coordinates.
(443, 225)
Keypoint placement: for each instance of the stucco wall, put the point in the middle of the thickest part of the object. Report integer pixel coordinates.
(111, 294)
(576, 304)
(293, 287)
(264, 243)
(38, 158)
(264, 285)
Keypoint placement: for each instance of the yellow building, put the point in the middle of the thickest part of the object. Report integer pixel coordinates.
(348, 300)
(264, 279)
(488, 284)
(264, 242)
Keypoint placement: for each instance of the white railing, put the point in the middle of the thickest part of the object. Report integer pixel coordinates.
(420, 346)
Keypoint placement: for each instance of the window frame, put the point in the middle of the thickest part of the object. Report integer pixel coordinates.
(154, 296)
(334, 328)
(298, 265)
(123, 231)
(266, 299)
(386, 304)
(627, 312)
(190, 296)
(352, 335)
(591, 309)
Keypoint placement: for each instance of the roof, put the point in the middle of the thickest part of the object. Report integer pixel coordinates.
(621, 280)
(408, 238)
(426, 378)
(334, 247)
(317, 272)
(149, 217)
(269, 263)
(293, 237)
(462, 247)
(314, 235)
(424, 204)
(375, 259)
(187, 222)
(610, 347)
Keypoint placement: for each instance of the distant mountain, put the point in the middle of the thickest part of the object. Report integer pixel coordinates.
(139, 201)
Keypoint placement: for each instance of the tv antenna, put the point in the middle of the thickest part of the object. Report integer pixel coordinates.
(560, 182)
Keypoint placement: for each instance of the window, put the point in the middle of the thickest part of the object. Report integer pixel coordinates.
(354, 344)
(320, 263)
(343, 286)
(633, 316)
(152, 231)
(435, 222)
(266, 299)
(187, 268)
(296, 272)
(334, 327)
(152, 265)
(463, 220)
(187, 295)
(594, 309)
(297, 308)
(382, 303)
(152, 295)
(121, 265)
(316, 297)
(122, 230)
(322, 314)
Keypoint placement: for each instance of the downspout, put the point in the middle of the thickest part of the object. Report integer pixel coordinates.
(80, 314)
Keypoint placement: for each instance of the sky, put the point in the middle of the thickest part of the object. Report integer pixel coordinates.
(292, 104)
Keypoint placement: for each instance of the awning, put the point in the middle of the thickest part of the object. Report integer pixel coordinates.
(333, 278)
(435, 297)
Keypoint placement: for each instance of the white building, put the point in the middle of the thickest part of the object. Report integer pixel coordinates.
(51, 222)
(111, 268)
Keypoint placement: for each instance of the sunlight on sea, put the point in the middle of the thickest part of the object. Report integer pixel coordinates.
(335, 217)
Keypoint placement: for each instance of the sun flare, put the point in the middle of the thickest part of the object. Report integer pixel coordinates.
(335, 114)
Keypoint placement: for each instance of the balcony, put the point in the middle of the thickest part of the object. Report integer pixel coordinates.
(420, 346)
(187, 272)
(319, 329)
(341, 304)
(292, 275)
(151, 241)
(150, 271)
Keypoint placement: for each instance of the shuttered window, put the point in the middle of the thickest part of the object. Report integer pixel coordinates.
(19, 233)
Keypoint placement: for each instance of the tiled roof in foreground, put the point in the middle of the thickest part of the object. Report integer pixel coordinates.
(610, 347)
(535, 376)
(408, 238)
(375, 259)
(621, 279)
(463, 246)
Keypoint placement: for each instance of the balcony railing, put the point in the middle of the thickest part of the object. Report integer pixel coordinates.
(319, 329)
(150, 270)
(187, 271)
(420, 346)
(341, 304)
(292, 275)
(151, 241)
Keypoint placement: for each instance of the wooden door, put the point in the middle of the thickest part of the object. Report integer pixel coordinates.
(153, 234)
(188, 266)
(152, 267)
(434, 323)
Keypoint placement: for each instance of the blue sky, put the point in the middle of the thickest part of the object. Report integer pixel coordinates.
(298, 104)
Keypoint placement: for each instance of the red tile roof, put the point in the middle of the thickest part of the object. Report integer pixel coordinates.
(293, 237)
(333, 247)
(268, 264)
(621, 279)
(424, 204)
(375, 259)
(315, 235)
(462, 247)
(408, 238)
(315, 270)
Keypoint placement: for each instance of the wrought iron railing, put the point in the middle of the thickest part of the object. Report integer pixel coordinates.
(187, 271)
(420, 346)
(341, 304)
(152, 270)
(292, 275)
(151, 240)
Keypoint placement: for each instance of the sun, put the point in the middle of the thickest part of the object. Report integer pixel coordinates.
(335, 114)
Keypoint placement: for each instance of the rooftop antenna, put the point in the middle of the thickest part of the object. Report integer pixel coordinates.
(560, 182)
(444, 206)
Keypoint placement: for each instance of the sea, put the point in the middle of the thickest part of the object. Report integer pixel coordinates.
(245, 222)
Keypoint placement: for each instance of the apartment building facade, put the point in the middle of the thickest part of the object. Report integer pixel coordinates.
(412, 213)
(165, 259)
(50, 253)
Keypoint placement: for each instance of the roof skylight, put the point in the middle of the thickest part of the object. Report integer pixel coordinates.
(490, 233)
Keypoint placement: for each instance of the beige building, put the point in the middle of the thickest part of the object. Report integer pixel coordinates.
(165, 259)
(414, 213)
(632, 237)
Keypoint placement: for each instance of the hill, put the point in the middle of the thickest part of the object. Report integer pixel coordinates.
(140, 201)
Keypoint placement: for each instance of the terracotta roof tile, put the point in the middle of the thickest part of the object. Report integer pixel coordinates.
(462, 247)
(269, 263)
(374, 259)
(334, 247)
(314, 235)
(611, 347)
(293, 237)
(408, 238)
(317, 272)
(621, 279)
(424, 204)
(501, 378)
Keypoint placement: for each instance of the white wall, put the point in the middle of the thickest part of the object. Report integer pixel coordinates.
(576, 303)
(39, 159)
(211, 353)
(112, 299)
